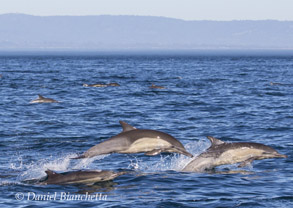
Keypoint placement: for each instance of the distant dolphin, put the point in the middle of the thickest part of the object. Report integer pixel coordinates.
(275, 83)
(80, 177)
(114, 84)
(153, 86)
(42, 99)
(95, 85)
(132, 140)
(222, 153)
(281, 84)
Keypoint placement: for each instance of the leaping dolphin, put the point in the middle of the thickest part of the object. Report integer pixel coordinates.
(42, 99)
(222, 153)
(80, 177)
(132, 140)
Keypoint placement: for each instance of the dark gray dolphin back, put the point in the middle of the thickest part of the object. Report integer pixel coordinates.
(219, 144)
(133, 134)
(218, 147)
(79, 176)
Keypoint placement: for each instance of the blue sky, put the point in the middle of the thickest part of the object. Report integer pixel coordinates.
(180, 9)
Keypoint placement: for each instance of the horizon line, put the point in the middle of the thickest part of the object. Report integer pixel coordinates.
(212, 52)
(134, 15)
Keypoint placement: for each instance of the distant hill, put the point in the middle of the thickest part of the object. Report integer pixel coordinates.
(19, 31)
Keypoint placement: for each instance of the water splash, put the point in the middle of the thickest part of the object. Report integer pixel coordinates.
(9, 183)
(86, 162)
(170, 162)
(18, 164)
(36, 169)
(134, 164)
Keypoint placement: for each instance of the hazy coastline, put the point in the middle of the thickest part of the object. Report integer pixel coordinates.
(104, 33)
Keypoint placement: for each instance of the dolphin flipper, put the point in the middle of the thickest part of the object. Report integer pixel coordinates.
(153, 152)
(246, 162)
(170, 149)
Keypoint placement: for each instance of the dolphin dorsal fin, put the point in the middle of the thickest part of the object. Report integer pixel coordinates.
(126, 126)
(51, 173)
(40, 96)
(215, 141)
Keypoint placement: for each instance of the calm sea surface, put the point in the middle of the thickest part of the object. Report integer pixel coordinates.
(229, 97)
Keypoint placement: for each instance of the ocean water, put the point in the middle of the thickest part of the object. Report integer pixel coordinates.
(235, 98)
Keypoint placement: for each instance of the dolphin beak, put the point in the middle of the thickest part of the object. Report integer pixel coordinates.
(280, 155)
